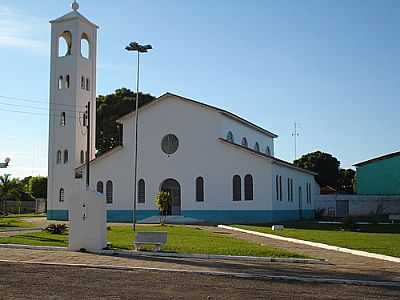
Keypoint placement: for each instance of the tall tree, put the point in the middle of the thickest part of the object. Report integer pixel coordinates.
(8, 191)
(322, 163)
(37, 187)
(109, 109)
(346, 181)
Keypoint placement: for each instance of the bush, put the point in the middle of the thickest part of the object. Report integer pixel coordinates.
(319, 213)
(57, 228)
(348, 223)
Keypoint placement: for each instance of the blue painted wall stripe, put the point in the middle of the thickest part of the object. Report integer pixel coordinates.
(211, 216)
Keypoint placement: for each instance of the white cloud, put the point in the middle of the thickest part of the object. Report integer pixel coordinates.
(19, 31)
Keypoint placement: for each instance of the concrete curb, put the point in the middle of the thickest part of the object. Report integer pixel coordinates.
(126, 253)
(314, 244)
(212, 256)
(253, 276)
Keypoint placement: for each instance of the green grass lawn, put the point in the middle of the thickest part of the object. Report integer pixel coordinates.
(382, 239)
(181, 239)
(13, 222)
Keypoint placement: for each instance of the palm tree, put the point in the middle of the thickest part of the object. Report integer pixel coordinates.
(8, 190)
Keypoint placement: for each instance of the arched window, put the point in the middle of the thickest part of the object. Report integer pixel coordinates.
(62, 119)
(60, 82)
(248, 187)
(257, 147)
(87, 84)
(65, 156)
(82, 157)
(59, 157)
(141, 191)
(61, 195)
(199, 189)
(244, 142)
(65, 44)
(100, 187)
(229, 137)
(85, 46)
(268, 151)
(237, 188)
(109, 192)
(83, 82)
(67, 81)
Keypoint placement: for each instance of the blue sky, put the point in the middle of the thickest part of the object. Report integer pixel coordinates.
(331, 66)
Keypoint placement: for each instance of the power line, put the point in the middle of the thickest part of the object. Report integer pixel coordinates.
(36, 113)
(38, 101)
(38, 108)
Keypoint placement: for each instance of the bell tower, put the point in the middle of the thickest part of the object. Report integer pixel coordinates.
(72, 87)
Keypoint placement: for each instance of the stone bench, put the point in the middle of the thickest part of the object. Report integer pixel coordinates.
(157, 239)
(394, 218)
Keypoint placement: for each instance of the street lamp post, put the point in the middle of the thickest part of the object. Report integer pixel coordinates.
(136, 47)
(5, 163)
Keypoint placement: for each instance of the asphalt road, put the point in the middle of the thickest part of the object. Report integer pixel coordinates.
(28, 281)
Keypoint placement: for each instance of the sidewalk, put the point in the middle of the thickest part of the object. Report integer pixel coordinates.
(342, 263)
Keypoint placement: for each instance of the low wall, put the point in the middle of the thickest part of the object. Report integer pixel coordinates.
(38, 206)
(358, 205)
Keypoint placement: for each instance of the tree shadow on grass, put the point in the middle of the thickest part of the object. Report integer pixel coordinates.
(40, 239)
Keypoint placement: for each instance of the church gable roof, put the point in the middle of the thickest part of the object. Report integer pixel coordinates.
(71, 16)
(221, 111)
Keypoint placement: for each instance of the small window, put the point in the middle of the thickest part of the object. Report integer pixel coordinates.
(237, 188)
(244, 142)
(280, 188)
(82, 157)
(61, 195)
(67, 81)
(141, 191)
(291, 190)
(109, 192)
(85, 46)
(288, 189)
(229, 137)
(65, 156)
(257, 147)
(277, 187)
(83, 82)
(60, 82)
(100, 187)
(62, 119)
(87, 84)
(65, 44)
(268, 151)
(248, 187)
(169, 144)
(59, 157)
(199, 189)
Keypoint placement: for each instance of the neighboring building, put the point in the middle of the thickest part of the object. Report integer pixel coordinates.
(217, 166)
(379, 176)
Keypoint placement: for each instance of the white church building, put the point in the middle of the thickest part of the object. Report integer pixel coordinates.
(218, 167)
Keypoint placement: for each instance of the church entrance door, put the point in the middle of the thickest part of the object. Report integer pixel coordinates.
(173, 187)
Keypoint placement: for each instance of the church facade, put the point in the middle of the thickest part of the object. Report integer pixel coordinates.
(218, 167)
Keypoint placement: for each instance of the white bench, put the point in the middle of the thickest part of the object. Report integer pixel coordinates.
(394, 218)
(150, 238)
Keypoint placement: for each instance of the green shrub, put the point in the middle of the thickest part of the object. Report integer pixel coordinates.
(57, 228)
(348, 223)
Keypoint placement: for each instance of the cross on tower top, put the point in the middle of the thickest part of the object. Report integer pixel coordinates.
(75, 5)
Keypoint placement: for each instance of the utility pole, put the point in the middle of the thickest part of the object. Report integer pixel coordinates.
(295, 134)
(88, 145)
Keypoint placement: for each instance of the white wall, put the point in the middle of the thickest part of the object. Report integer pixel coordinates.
(200, 153)
(239, 131)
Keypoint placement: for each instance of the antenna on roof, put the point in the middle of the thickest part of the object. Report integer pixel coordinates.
(295, 134)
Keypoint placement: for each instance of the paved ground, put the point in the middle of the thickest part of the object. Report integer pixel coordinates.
(343, 264)
(24, 281)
